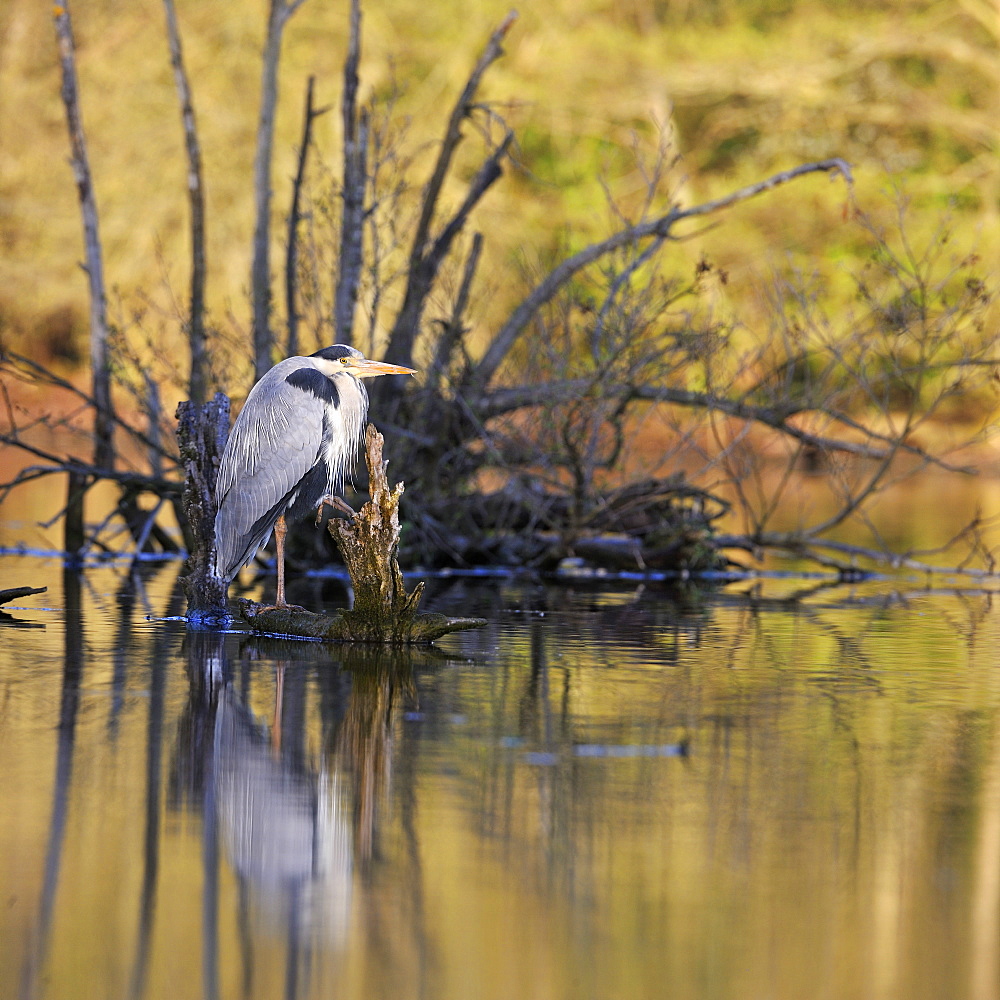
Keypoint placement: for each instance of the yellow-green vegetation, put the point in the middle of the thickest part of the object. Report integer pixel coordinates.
(908, 91)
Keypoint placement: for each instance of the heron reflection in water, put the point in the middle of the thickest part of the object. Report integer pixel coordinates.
(295, 828)
(286, 830)
(289, 451)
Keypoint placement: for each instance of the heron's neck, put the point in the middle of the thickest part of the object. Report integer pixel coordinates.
(345, 426)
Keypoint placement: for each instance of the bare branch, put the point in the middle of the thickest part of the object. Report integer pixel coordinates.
(260, 273)
(803, 544)
(288, 9)
(294, 217)
(453, 135)
(453, 329)
(835, 166)
(487, 175)
(353, 189)
(198, 382)
(506, 400)
(152, 484)
(661, 228)
(617, 285)
(422, 268)
(100, 362)
(50, 378)
(422, 278)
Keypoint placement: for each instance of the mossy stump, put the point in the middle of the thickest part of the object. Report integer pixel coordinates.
(383, 611)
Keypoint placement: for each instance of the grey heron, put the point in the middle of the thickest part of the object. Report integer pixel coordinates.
(289, 450)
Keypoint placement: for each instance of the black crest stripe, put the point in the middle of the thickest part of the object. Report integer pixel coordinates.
(337, 352)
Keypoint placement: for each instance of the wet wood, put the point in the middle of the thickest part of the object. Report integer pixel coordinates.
(348, 626)
(14, 593)
(383, 612)
(100, 351)
(201, 435)
(74, 529)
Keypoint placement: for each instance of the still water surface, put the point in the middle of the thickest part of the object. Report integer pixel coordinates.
(607, 793)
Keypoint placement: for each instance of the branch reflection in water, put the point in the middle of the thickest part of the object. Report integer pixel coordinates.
(68, 705)
(607, 790)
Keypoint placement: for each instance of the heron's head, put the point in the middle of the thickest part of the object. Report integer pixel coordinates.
(350, 361)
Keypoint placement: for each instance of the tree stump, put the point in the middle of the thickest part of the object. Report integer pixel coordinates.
(201, 434)
(383, 611)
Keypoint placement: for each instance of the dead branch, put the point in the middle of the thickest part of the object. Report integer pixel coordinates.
(100, 364)
(48, 377)
(487, 174)
(353, 187)
(151, 484)
(661, 228)
(199, 376)
(419, 277)
(506, 400)
(834, 166)
(845, 557)
(280, 11)
(15, 593)
(454, 329)
(294, 218)
(421, 280)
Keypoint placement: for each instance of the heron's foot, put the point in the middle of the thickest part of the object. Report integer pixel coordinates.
(279, 606)
(338, 503)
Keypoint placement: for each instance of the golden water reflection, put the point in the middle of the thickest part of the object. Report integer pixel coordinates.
(619, 793)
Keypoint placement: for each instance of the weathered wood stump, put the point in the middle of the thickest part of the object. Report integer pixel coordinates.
(201, 434)
(383, 611)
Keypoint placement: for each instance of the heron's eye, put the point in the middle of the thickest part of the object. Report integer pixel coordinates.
(345, 361)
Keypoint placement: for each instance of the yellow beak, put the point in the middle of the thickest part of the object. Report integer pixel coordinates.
(363, 368)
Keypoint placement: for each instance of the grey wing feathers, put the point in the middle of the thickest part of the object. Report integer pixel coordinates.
(276, 440)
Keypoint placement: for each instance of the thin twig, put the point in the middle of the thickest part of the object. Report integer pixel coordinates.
(500, 401)
(660, 228)
(420, 276)
(152, 484)
(803, 545)
(452, 331)
(49, 377)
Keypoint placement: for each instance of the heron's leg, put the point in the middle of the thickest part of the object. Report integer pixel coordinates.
(280, 530)
(338, 503)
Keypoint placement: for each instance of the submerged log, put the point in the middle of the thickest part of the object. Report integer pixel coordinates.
(383, 611)
(14, 593)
